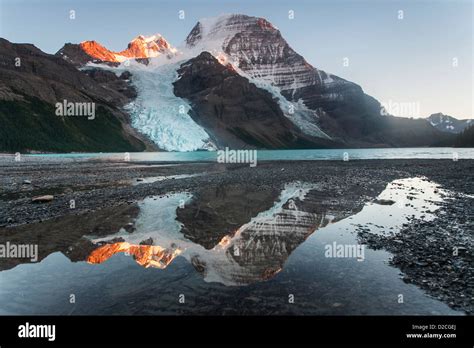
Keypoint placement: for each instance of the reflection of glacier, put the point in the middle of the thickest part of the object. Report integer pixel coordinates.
(256, 251)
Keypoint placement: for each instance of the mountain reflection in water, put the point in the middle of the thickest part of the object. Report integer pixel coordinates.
(258, 248)
(252, 235)
(145, 255)
(255, 251)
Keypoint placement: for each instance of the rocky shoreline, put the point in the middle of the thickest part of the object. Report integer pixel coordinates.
(422, 250)
(436, 255)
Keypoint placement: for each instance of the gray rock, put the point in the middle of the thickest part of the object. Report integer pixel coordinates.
(384, 201)
(42, 199)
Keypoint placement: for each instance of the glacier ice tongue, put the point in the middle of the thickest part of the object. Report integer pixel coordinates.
(159, 114)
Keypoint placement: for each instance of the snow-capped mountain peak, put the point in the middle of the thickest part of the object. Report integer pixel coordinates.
(99, 52)
(256, 47)
(446, 123)
(140, 47)
(215, 34)
(148, 46)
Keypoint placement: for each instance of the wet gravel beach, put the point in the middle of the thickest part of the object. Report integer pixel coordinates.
(435, 255)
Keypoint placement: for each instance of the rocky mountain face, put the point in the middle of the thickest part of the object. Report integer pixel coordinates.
(259, 49)
(32, 82)
(447, 123)
(234, 111)
(342, 110)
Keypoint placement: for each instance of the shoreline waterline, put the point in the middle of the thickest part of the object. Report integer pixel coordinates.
(263, 155)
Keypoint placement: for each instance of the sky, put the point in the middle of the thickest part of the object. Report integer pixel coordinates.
(421, 57)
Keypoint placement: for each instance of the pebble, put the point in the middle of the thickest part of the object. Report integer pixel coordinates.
(42, 199)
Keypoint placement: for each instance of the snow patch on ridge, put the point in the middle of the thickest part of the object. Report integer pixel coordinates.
(304, 118)
(298, 113)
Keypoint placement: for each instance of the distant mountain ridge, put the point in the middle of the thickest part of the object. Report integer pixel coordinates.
(447, 123)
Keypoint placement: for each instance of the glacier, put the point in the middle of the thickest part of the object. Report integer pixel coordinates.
(156, 112)
(159, 114)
